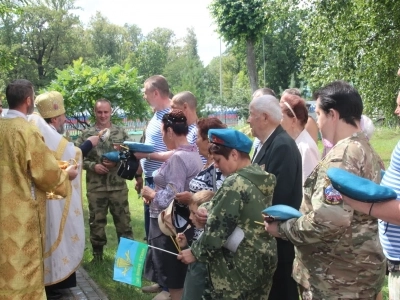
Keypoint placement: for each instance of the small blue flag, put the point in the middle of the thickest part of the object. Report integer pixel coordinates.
(129, 262)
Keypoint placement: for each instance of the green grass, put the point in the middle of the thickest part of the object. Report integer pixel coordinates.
(102, 273)
(384, 141)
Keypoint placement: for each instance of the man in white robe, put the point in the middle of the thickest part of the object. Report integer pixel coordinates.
(65, 229)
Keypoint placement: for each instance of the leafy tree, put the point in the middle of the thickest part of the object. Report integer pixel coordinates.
(134, 36)
(163, 36)
(280, 45)
(81, 85)
(7, 59)
(150, 58)
(41, 39)
(241, 21)
(355, 41)
(184, 70)
(109, 40)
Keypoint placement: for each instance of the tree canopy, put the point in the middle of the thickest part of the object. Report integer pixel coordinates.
(82, 85)
(274, 43)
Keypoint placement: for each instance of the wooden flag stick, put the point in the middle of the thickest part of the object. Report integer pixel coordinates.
(163, 250)
(176, 245)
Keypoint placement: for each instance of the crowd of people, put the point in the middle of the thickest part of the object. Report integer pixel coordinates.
(213, 182)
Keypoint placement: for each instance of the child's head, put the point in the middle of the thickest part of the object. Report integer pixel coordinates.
(197, 199)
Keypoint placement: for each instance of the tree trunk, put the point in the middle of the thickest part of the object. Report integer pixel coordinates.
(251, 65)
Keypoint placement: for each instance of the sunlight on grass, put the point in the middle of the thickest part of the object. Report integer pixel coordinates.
(102, 273)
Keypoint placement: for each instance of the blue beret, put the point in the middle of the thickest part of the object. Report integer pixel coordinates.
(281, 212)
(230, 138)
(359, 188)
(112, 156)
(139, 147)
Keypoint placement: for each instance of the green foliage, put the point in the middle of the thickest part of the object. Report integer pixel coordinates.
(281, 41)
(81, 85)
(355, 41)
(163, 36)
(150, 58)
(239, 20)
(40, 40)
(110, 40)
(184, 70)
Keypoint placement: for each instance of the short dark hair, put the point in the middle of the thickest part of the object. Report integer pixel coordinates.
(225, 151)
(102, 100)
(342, 97)
(177, 121)
(185, 97)
(158, 82)
(205, 124)
(17, 92)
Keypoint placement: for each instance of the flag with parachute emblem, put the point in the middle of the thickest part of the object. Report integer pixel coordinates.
(129, 262)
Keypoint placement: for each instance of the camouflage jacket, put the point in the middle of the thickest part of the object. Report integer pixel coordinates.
(338, 253)
(110, 181)
(238, 203)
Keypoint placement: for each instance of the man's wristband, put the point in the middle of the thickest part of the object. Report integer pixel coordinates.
(138, 176)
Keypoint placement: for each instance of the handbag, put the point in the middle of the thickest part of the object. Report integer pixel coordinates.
(175, 218)
(165, 220)
(128, 168)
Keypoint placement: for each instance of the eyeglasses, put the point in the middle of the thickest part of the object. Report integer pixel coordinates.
(291, 110)
(268, 218)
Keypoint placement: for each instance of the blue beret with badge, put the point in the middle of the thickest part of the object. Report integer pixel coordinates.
(230, 138)
(280, 212)
(112, 156)
(359, 188)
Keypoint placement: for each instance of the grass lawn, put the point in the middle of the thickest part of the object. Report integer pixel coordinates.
(384, 141)
(102, 273)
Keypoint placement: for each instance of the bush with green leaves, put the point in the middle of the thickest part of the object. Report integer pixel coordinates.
(81, 85)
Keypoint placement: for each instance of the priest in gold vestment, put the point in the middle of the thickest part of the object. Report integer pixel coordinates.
(65, 229)
(27, 170)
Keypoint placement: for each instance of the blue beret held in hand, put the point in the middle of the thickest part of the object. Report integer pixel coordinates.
(112, 156)
(139, 147)
(359, 188)
(280, 212)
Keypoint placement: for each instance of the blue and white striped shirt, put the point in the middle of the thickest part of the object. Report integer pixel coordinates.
(389, 234)
(192, 138)
(154, 137)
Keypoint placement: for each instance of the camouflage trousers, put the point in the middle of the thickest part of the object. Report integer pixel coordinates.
(260, 293)
(307, 294)
(99, 204)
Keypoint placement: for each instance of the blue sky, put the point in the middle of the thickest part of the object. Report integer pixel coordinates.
(173, 14)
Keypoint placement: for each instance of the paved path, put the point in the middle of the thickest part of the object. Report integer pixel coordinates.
(86, 288)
